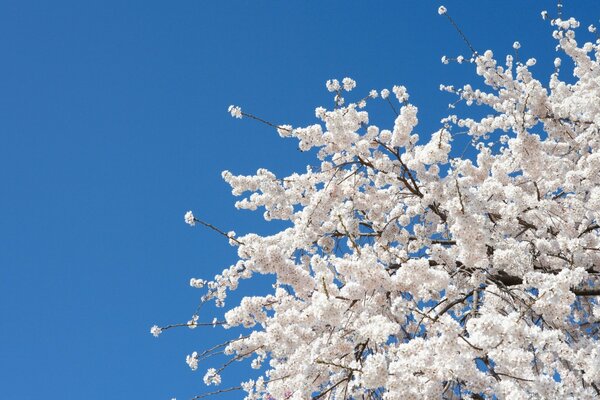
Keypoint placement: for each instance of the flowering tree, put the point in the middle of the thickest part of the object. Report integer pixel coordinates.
(410, 272)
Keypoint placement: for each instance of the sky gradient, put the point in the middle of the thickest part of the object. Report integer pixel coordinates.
(114, 123)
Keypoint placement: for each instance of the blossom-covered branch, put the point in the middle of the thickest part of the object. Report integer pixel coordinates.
(411, 271)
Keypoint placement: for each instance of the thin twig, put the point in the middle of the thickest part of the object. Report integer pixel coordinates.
(460, 33)
(164, 328)
(266, 122)
(214, 228)
(231, 389)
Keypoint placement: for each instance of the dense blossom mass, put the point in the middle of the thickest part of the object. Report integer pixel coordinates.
(409, 271)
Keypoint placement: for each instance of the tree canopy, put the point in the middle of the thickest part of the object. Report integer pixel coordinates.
(411, 271)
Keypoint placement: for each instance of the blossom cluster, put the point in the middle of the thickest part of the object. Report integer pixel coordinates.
(410, 271)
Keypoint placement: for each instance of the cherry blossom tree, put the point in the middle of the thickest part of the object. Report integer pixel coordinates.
(409, 271)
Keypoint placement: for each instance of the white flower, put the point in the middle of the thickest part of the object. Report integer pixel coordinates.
(284, 130)
(192, 360)
(502, 236)
(442, 10)
(235, 111)
(373, 94)
(320, 112)
(193, 323)
(460, 59)
(349, 84)
(557, 62)
(401, 93)
(592, 28)
(332, 85)
(197, 283)
(155, 330)
(544, 14)
(189, 218)
(212, 377)
(445, 60)
(516, 45)
(257, 362)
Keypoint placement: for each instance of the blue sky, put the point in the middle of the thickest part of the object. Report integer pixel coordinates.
(113, 120)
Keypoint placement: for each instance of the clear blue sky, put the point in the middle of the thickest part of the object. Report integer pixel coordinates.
(113, 123)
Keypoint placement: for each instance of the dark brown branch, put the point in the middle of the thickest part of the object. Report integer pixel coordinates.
(510, 280)
(452, 304)
(336, 365)
(332, 387)
(445, 242)
(589, 229)
(505, 279)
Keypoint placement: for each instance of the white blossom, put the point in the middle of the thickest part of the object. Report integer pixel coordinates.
(197, 283)
(155, 330)
(442, 10)
(235, 111)
(212, 377)
(284, 130)
(193, 323)
(333, 85)
(192, 361)
(408, 269)
(189, 218)
(349, 84)
(401, 93)
(557, 62)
